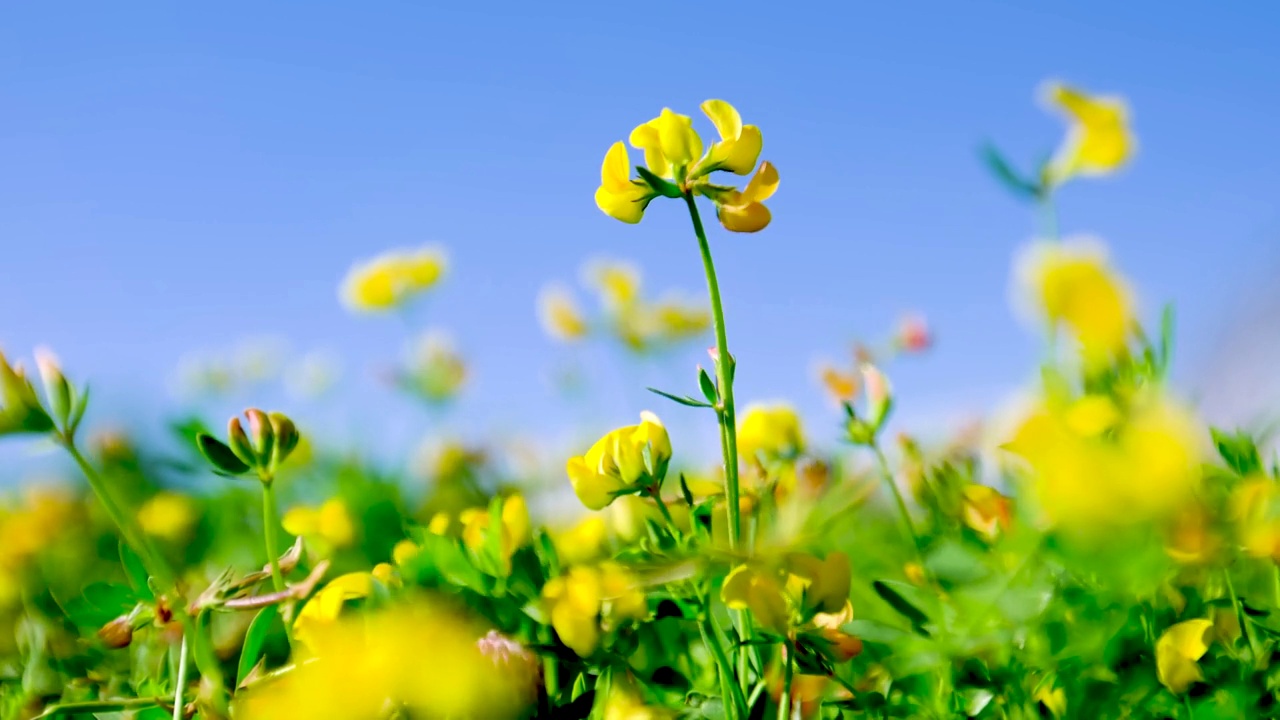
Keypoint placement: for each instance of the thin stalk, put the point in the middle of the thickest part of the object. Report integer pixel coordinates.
(180, 684)
(1240, 616)
(137, 540)
(733, 696)
(91, 706)
(725, 413)
(270, 519)
(1275, 585)
(784, 703)
(666, 513)
(904, 514)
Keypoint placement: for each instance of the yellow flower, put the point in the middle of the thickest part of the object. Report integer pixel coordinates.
(583, 542)
(392, 279)
(782, 597)
(1095, 466)
(435, 371)
(1177, 651)
(771, 431)
(330, 524)
(986, 511)
(619, 196)
(1189, 538)
(357, 670)
(744, 211)
(624, 704)
(673, 151)
(739, 146)
(616, 281)
(560, 315)
(677, 318)
(1074, 285)
(842, 386)
(1098, 141)
(616, 462)
(516, 532)
(584, 597)
(1053, 698)
(406, 550)
(323, 609)
(1255, 511)
(168, 515)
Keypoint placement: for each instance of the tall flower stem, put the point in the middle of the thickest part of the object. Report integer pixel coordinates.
(784, 702)
(270, 519)
(724, 377)
(904, 514)
(133, 535)
(179, 711)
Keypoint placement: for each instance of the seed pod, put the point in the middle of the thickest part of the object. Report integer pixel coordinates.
(118, 633)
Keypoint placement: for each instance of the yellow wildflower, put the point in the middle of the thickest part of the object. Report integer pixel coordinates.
(677, 318)
(583, 542)
(1099, 140)
(357, 669)
(1177, 651)
(1095, 466)
(435, 370)
(168, 515)
(1189, 538)
(783, 596)
(617, 282)
(1255, 512)
(624, 704)
(985, 510)
(586, 600)
(617, 463)
(1053, 698)
(329, 525)
(1073, 284)
(560, 315)
(770, 431)
(673, 151)
(840, 385)
(323, 609)
(516, 531)
(392, 279)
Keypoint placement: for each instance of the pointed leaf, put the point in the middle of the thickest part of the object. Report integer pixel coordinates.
(220, 456)
(255, 639)
(686, 400)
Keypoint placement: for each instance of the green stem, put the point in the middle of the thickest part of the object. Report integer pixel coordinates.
(666, 513)
(94, 706)
(733, 697)
(724, 376)
(904, 514)
(784, 702)
(270, 519)
(1275, 585)
(127, 524)
(180, 684)
(1240, 616)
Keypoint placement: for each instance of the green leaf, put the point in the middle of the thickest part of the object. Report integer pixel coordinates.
(1021, 187)
(954, 563)
(255, 639)
(493, 535)
(874, 631)
(708, 386)
(893, 593)
(446, 557)
(664, 187)
(201, 639)
(685, 492)
(1238, 451)
(219, 455)
(100, 603)
(686, 400)
(139, 579)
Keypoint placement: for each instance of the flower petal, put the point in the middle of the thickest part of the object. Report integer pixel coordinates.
(725, 117)
(763, 185)
(751, 217)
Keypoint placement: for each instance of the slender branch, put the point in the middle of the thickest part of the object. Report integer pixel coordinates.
(784, 702)
(733, 697)
(904, 514)
(181, 682)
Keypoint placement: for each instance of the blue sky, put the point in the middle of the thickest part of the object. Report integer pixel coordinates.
(174, 178)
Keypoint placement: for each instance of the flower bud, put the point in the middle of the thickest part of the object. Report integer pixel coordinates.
(879, 395)
(286, 437)
(239, 441)
(118, 633)
(262, 435)
(20, 408)
(56, 387)
(913, 334)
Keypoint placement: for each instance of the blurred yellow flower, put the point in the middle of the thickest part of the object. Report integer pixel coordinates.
(1053, 698)
(560, 315)
(840, 385)
(587, 600)
(617, 462)
(1095, 466)
(168, 515)
(986, 511)
(617, 282)
(330, 524)
(392, 279)
(323, 609)
(1073, 284)
(1178, 650)
(678, 318)
(624, 704)
(516, 531)
(1098, 140)
(405, 551)
(1255, 512)
(435, 371)
(356, 668)
(584, 541)
(770, 431)
(795, 591)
